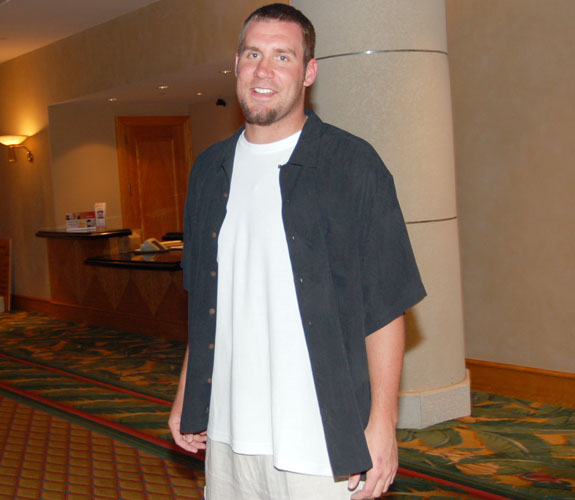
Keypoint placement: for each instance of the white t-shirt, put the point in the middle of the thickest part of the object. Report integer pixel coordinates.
(263, 398)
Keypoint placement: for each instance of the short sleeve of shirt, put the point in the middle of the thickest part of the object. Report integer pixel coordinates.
(390, 279)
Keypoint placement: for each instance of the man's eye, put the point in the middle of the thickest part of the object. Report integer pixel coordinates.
(253, 55)
(282, 58)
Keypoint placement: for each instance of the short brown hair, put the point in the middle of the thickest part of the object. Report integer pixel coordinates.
(287, 13)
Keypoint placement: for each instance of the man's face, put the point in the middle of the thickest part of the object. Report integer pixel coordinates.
(270, 74)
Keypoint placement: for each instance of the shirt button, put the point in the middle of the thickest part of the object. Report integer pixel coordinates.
(293, 236)
(213, 274)
(309, 323)
(300, 279)
(212, 311)
(209, 381)
(211, 347)
(214, 234)
(207, 410)
(226, 195)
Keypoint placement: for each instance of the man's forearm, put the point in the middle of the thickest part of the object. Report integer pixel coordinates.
(385, 358)
(385, 349)
(189, 442)
(179, 399)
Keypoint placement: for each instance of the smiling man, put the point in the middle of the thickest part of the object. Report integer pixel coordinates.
(299, 270)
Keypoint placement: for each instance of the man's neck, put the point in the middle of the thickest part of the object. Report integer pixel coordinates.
(263, 134)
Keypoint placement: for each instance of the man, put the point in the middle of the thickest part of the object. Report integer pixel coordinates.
(299, 270)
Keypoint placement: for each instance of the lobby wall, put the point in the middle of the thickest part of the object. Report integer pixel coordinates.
(512, 73)
(84, 154)
(84, 163)
(210, 123)
(164, 37)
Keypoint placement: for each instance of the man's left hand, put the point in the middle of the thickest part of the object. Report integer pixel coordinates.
(382, 445)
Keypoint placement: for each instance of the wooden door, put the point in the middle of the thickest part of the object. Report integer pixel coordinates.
(153, 161)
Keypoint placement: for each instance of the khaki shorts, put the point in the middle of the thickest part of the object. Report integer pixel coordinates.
(231, 476)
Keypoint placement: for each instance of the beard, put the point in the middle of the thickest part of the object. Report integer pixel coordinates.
(267, 116)
(263, 117)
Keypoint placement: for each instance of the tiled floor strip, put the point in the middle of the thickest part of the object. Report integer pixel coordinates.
(45, 457)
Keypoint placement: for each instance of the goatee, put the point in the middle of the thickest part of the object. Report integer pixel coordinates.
(263, 117)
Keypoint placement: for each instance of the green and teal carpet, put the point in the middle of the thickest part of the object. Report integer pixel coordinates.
(122, 385)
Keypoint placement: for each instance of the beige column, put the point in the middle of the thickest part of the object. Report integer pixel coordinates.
(383, 75)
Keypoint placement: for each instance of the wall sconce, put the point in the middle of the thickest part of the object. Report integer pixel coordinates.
(13, 142)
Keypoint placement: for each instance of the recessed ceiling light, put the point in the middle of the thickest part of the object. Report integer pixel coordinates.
(112, 99)
(162, 87)
(225, 71)
(199, 93)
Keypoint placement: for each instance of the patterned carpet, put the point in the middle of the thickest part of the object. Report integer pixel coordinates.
(120, 386)
(62, 460)
(510, 447)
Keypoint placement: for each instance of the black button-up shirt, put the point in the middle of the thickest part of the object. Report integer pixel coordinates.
(352, 263)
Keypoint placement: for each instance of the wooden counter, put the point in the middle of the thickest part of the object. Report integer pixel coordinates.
(92, 281)
(158, 261)
(101, 234)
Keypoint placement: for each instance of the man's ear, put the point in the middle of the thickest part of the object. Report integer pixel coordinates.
(310, 73)
(236, 65)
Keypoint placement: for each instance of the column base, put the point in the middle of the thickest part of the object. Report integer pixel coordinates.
(418, 410)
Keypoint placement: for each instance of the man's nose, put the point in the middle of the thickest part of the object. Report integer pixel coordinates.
(264, 68)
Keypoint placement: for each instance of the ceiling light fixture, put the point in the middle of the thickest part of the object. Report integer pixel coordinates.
(225, 71)
(162, 87)
(13, 142)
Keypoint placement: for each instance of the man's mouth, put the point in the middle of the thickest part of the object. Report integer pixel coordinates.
(259, 90)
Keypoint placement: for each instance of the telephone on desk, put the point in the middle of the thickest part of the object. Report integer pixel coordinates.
(153, 245)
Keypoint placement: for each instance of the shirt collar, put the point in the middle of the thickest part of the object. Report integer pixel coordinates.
(305, 153)
(229, 152)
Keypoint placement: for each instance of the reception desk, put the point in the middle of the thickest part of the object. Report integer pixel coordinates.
(94, 279)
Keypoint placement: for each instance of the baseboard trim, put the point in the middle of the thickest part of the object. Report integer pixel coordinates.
(534, 384)
(34, 304)
(99, 317)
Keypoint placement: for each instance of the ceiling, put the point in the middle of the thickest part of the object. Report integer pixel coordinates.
(26, 25)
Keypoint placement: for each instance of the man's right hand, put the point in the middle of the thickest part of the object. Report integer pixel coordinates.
(189, 442)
